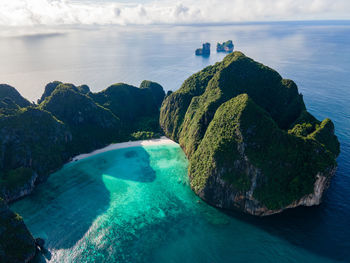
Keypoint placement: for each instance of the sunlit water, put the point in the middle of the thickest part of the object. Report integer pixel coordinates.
(135, 205)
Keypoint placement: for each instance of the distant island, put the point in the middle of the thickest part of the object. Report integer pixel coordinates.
(250, 141)
(204, 51)
(226, 47)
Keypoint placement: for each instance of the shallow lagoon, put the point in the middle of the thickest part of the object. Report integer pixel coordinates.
(135, 205)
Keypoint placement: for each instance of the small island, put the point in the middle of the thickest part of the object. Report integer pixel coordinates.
(204, 51)
(226, 47)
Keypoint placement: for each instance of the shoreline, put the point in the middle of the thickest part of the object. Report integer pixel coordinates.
(122, 145)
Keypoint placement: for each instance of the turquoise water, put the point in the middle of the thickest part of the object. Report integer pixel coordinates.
(316, 55)
(135, 205)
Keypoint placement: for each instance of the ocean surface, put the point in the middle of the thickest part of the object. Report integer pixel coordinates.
(135, 205)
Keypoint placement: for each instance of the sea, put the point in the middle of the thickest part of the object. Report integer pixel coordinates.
(135, 204)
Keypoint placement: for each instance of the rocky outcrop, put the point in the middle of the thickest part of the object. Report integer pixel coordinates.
(40, 243)
(137, 108)
(251, 143)
(32, 145)
(222, 194)
(204, 51)
(92, 126)
(49, 88)
(7, 91)
(10, 194)
(226, 47)
(16, 243)
(36, 140)
(155, 89)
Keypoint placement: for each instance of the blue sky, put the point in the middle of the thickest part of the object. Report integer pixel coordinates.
(122, 12)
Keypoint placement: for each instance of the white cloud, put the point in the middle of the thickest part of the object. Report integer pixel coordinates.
(57, 12)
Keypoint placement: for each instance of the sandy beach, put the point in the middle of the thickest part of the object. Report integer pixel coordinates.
(115, 146)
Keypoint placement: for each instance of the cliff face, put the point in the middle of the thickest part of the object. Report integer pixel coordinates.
(32, 144)
(137, 108)
(92, 126)
(225, 47)
(36, 140)
(18, 183)
(251, 143)
(204, 51)
(156, 90)
(16, 243)
(6, 91)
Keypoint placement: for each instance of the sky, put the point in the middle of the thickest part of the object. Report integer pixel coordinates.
(123, 12)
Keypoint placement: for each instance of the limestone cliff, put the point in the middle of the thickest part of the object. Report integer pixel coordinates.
(251, 143)
(16, 243)
(36, 140)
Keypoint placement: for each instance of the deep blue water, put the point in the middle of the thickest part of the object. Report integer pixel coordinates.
(315, 55)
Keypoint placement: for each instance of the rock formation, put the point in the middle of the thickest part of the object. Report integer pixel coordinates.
(204, 51)
(250, 141)
(36, 140)
(16, 243)
(225, 47)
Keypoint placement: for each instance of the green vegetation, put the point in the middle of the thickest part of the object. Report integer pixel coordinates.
(225, 47)
(137, 108)
(239, 119)
(8, 105)
(16, 178)
(68, 121)
(36, 140)
(289, 163)
(237, 74)
(324, 133)
(219, 149)
(6, 91)
(144, 135)
(32, 138)
(157, 91)
(49, 88)
(16, 243)
(176, 103)
(91, 125)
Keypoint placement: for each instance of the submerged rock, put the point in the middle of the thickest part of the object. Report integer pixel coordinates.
(250, 141)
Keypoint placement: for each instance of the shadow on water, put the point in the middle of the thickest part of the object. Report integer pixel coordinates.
(315, 229)
(63, 209)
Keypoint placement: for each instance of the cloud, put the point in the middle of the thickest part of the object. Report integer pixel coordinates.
(58, 12)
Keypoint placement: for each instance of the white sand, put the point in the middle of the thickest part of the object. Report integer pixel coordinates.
(163, 140)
